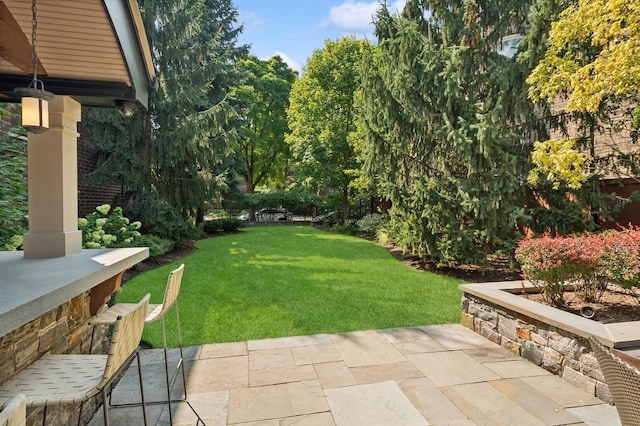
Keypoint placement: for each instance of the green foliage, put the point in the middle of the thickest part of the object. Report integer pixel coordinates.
(262, 101)
(13, 188)
(157, 246)
(297, 202)
(160, 218)
(371, 224)
(108, 228)
(274, 281)
(194, 46)
(446, 120)
(323, 118)
(227, 224)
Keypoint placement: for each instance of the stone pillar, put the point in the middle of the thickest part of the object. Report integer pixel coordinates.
(53, 184)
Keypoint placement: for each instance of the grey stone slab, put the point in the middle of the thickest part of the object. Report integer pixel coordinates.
(456, 336)
(484, 405)
(334, 374)
(404, 334)
(315, 354)
(419, 346)
(129, 416)
(373, 404)
(307, 397)
(451, 368)
(288, 342)
(560, 391)
(493, 354)
(222, 350)
(382, 373)
(597, 415)
(362, 348)
(156, 356)
(127, 391)
(536, 403)
(259, 403)
(214, 374)
(432, 403)
(624, 334)
(516, 368)
(211, 407)
(317, 419)
(275, 375)
(270, 358)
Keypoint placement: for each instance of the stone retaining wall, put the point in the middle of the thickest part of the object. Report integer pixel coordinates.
(558, 351)
(59, 331)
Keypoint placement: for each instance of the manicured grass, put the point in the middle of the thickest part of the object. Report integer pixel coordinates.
(278, 281)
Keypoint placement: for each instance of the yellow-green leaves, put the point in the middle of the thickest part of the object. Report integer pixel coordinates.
(594, 52)
(559, 162)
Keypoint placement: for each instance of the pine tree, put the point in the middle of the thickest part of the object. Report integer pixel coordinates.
(193, 44)
(447, 123)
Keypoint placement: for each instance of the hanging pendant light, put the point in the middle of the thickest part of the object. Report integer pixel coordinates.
(35, 100)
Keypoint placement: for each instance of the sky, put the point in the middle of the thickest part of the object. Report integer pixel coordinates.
(294, 29)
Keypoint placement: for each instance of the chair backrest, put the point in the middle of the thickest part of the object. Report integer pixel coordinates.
(173, 288)
(623, 381)
(15, 413)
(127, 332)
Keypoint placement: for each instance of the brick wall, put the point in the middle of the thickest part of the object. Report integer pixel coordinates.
(89, 197)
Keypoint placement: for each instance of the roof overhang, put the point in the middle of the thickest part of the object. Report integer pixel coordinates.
(95, 51)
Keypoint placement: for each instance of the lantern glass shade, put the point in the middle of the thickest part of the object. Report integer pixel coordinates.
(35, 114)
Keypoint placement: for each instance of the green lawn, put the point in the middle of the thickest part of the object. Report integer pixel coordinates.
(275, 281)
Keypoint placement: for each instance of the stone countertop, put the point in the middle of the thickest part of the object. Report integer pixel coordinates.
(30, 287)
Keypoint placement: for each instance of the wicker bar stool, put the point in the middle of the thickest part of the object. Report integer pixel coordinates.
(155, 313)
(623, 381)
(72, 379)
(15, 412)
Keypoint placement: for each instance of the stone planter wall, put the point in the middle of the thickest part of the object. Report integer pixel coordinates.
(555, 349)
(59, 331)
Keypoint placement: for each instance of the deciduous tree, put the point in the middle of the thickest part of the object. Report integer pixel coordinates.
(323, 118)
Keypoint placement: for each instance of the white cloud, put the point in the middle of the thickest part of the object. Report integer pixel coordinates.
(292, 64)
(357, 17)
(251, 22)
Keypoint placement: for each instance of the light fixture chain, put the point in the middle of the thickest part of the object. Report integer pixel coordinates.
(34, 42)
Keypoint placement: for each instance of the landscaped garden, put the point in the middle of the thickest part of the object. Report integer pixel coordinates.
(293, 280)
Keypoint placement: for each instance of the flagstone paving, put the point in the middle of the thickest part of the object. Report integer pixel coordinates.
(431, 375)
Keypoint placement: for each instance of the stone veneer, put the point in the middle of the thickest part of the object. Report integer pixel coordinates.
(62, 330)
(556, 341)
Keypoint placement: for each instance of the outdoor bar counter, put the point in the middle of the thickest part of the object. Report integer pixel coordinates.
(31, 287)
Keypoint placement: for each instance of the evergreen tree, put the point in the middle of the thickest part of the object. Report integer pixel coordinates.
(447, 123)
(193, 44)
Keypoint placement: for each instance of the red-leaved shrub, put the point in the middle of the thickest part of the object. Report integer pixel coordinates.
(586, 262)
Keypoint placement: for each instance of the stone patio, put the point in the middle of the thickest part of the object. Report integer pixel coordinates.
(431, 375)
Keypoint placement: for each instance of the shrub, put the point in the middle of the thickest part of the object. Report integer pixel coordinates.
(157, 246)
(621, 256)
(586, 261)
(105, 227)
(227, 224)
(372, 223)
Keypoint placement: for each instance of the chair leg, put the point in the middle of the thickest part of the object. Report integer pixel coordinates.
(105, 408)
(144, 406)
(166, 368)
(44, 416)
(181, 362)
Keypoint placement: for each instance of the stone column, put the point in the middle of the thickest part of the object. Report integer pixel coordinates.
(53, 184)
